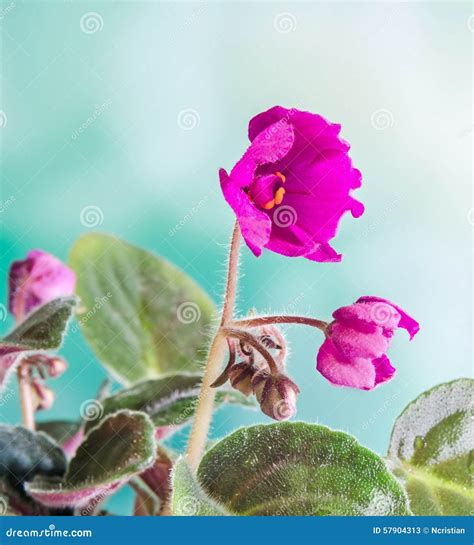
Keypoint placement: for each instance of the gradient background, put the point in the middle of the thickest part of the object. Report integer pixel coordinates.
(396, 75)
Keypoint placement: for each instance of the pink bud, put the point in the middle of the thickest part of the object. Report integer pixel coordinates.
(56, 367)
(35, 281)
(276, 394)
(43, 396)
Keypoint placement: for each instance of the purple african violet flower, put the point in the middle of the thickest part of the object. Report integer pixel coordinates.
(36, 280)
(292, 185)
(354, 353)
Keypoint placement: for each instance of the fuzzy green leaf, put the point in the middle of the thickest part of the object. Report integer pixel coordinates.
(142, 316)
(43, 329)
(168, 401)
(432, 447)
(120, 447)
(298, 469)
(189, 499)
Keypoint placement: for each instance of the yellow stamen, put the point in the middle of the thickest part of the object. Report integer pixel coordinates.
(269, 205)
(281, 176)
(279, 195)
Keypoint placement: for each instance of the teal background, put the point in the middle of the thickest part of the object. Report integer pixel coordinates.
(228, 61)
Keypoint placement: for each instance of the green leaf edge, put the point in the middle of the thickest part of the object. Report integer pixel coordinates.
(199, 502)
(40, 485)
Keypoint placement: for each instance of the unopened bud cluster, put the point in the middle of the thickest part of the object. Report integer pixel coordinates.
(250, 373)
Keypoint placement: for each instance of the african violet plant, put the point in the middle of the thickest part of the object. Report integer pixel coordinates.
(149, 324)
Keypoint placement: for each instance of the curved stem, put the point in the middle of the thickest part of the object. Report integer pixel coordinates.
(217, 350)
(268, 320)
(250, 339)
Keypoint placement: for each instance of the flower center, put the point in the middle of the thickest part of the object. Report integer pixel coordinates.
(267, 191)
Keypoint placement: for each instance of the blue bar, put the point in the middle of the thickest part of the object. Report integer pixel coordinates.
(236, 530)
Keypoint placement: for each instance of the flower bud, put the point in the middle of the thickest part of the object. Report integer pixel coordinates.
(240, 375)
(42, 395)
(35, 281)
(56, 367)
(276, 394)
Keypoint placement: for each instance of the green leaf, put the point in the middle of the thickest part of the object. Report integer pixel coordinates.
(120, 447)
(432, 447)
(298, 469)
(188, 498)
(168, 401)
(142, 316)
(41, 330)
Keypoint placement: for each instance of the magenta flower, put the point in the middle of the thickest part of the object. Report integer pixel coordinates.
(292, 185)
(36, 280)
(354, 352)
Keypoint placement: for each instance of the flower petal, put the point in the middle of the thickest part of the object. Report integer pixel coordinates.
(359, 373)
(36, 280)
(269, 146)
(406, 322)
(383, 370)
(354, 343)
(368, 317)
(254, 224)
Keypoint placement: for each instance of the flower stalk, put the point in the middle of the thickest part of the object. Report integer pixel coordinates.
(284, 319)
(26, 399)
(203, 415)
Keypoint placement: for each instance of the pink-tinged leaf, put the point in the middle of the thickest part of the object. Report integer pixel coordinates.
(158, 476)
(43, 330)
(121, 446)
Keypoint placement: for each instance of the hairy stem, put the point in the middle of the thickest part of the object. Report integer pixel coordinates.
(26, 401)
(251, 340)
(268, 320)
(203, 415)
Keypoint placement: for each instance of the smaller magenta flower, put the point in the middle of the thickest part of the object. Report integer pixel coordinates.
(354, 352)
(36, 280)
(292, 185)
